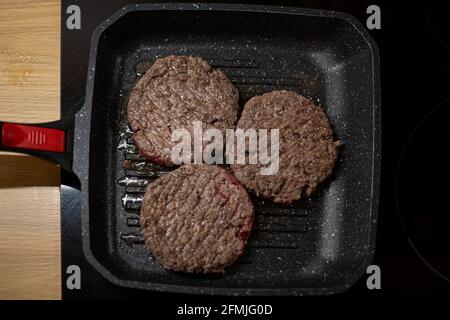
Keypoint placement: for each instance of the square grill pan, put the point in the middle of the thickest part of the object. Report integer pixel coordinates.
(320, 246)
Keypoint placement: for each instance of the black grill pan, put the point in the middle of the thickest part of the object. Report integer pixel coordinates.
(320, 246)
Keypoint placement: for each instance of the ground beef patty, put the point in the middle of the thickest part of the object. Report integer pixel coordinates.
(307, 148)
(173, 93)
(196, 219)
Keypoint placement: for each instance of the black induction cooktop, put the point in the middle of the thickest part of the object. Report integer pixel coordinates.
(412, 248)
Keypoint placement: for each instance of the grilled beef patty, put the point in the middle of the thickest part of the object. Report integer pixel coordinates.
(307, 147)
(173, 93)
(196, 219)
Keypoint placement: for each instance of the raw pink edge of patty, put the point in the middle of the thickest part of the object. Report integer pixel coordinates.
(244, 231)
(153, 157)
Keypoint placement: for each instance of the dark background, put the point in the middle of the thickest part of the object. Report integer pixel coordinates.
(413, 246)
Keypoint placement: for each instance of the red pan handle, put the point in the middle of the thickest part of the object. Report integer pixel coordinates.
(32, 137)
(46, 140)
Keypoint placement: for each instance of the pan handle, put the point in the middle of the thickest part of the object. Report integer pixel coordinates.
(45, 140)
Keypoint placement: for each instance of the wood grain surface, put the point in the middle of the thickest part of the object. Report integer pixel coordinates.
(29, 187)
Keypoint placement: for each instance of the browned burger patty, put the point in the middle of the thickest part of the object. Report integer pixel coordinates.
(307, 148)
(196, 219)
(173, 93)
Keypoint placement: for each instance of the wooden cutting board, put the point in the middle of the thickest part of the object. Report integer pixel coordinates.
(29, 187)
